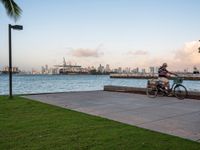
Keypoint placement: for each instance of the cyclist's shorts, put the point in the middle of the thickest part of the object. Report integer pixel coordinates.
(163, 79)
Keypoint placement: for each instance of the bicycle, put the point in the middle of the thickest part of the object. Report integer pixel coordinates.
(158, 89)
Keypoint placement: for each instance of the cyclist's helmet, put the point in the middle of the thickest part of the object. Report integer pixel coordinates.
(164, 65)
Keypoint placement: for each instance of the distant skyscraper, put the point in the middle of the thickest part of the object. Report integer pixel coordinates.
(100, 68)
(143, 70)
(151, 70)
(107, 69)
(119, 70)
(136, 70)
(156, 69)
(46, 68)
(42, 70)
(127, 70)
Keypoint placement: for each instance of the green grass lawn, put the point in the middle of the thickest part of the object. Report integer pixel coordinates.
(26, 124)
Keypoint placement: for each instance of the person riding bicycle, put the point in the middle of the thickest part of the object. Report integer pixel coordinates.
(163, 75)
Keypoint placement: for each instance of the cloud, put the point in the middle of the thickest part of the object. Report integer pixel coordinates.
(86, 52)
(189, 53)
(138, 52)
(188, 56)
(183, 58)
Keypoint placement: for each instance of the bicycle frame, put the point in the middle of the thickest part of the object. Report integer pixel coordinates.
(173, 86)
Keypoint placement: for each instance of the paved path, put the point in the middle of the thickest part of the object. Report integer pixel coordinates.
(163, 114)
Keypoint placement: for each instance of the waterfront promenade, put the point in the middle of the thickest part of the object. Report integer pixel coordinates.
(163, 114)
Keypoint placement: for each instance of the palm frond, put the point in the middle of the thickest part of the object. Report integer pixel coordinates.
(12, 9)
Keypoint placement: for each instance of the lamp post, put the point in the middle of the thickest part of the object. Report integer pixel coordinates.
(15, 27)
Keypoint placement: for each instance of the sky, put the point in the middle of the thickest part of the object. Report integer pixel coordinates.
(126, 33)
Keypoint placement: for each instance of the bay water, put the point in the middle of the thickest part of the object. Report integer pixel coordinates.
(28, 84)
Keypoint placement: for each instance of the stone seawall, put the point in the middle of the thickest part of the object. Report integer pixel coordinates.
(136, 90)
(133, 76)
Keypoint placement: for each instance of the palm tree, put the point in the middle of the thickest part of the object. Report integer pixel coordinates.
(12, 9)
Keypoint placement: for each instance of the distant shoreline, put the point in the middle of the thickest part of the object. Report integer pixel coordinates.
(18, 74)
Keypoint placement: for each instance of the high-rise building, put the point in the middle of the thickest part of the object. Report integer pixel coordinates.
(42, 70)
(151, 70)
(143, 70)
(119, 70)
(46, 69)
(136, 70)
(107, 69)
(100, 68)
(156, 70)
(127, 70)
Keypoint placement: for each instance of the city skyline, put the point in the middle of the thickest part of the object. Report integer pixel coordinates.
(120, 33)
(102, 68)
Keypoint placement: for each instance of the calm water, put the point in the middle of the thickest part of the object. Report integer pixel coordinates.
(24, 84)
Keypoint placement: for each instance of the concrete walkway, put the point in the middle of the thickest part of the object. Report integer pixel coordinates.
(167, 115)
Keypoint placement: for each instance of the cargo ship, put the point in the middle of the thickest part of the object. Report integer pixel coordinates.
(70, 69)
(5, 70)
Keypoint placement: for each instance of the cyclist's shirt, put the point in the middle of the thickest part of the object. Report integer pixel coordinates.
(162, 72)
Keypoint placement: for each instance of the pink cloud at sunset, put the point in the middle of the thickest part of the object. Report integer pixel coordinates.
(188, 55)
(86, 52)
(138, 52)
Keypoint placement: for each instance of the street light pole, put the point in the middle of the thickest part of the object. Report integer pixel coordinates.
(10, 27)
(10, 60)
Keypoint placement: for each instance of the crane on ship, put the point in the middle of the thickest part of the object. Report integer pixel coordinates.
(64, 62)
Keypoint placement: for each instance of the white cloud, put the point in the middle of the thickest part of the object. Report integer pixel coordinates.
(186, 57)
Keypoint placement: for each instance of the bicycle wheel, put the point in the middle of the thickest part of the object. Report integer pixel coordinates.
(152, 92)
(180, 91)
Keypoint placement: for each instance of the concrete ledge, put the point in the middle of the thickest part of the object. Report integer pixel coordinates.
(134, 76)
(136, 90)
